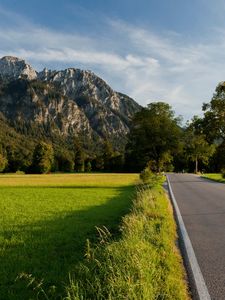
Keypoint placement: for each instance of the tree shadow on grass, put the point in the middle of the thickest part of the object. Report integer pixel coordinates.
(50, 249)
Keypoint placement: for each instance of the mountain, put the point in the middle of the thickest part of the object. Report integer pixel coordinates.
(13, 68)
(63, 105)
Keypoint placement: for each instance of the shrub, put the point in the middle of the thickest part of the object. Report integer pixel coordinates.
(150, 178)
(18, 172)
(146, 175)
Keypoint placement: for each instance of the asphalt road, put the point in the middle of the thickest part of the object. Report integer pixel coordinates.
(202, 206)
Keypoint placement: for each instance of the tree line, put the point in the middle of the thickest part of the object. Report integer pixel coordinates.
(47, 157)
(157, 140)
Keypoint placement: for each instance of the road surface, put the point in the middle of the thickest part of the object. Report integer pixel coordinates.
(202, 206)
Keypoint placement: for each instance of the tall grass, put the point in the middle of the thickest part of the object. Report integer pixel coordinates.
(143, 264)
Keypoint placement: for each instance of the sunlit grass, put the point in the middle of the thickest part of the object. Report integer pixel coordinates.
(143, 264)
(73, 180)
(214, 176)
(46, 219)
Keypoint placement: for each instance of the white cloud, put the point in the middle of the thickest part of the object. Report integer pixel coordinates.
(146, 65)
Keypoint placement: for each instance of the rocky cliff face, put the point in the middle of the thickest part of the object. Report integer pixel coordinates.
(42, 105)
(71, 102)
(14, 68)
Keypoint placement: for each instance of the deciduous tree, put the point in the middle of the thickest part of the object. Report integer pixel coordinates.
(198, 149)
(154, 138)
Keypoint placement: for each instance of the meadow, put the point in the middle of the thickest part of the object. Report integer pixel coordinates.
(45, 221)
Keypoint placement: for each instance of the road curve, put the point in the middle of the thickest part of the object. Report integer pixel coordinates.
(202, 206)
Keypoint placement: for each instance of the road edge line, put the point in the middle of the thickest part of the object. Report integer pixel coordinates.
(192, 262)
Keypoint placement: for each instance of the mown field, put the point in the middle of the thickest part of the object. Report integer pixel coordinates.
(45, 221)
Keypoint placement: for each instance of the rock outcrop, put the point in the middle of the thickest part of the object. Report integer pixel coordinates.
(15, 68)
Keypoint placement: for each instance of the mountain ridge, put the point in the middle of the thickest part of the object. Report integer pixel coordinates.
(68, 103)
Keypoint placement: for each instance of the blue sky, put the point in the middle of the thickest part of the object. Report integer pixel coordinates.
(169, 50)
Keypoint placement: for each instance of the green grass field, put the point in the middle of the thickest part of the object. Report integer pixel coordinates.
(46, 219)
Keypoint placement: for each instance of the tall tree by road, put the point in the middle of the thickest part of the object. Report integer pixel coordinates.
(213, 122)
(213, 126)
(197, 148)
(154, 138)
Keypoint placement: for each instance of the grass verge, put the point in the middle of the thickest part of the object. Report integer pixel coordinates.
(143, 264)
(214, 176)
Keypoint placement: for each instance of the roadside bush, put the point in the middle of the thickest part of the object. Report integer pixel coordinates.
(150, 178)
(146, 175)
